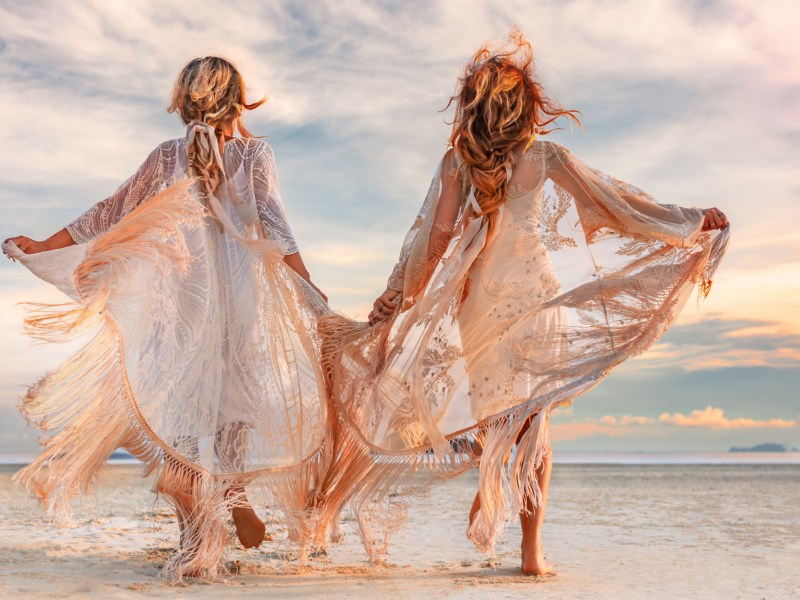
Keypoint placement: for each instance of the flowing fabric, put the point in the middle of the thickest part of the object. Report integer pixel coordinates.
(497, 329)
(203, 355)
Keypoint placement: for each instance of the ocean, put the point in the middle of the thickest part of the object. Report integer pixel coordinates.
(573, 458)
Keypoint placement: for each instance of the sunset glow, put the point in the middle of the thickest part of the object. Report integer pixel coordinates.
(697, 103)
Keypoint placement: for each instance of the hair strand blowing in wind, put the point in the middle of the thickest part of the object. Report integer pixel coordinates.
(210, 90)
(499, 104)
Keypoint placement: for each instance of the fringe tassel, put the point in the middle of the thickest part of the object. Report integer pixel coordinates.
(376, 485)
(202, 504)
(717, 251)
(83, 407)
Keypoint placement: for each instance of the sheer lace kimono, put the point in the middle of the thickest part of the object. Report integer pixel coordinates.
(203, 359)
(580, 273)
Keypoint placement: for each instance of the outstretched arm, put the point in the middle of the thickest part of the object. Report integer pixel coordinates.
(439, 232)
(60, 239)
(606, 202)
(96, 221)
(271, 214)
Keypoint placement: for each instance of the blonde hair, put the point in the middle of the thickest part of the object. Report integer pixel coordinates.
(210, 90)
(499, 104)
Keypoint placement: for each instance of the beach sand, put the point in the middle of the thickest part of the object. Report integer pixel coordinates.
(612, 531)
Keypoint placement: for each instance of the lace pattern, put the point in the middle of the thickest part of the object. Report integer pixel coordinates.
(167, 163)
(139, 187)
(204, 356)
(582, 272)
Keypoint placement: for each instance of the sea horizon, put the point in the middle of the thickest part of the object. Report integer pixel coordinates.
(564, 457)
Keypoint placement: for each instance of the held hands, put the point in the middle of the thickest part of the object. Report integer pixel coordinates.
(27, 245)
(384, 306)
(714, 218)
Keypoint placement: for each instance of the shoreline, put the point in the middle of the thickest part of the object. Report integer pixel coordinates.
(612, 531)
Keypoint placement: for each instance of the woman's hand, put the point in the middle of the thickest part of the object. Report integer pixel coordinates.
(714, 218)
(384, 306)
(295, 262)
(27, 245)
(60, 239)
(319, 291)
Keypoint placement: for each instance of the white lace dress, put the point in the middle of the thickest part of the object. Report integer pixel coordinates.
(253, 201)
(204, 357)
(498, 328)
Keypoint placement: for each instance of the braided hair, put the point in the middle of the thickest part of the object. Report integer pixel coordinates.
(209, 90)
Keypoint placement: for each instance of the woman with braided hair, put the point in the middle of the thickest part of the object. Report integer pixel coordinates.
(204, 360)
(524, 279)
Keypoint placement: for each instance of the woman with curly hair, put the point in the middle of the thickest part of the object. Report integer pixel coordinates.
(524, 279)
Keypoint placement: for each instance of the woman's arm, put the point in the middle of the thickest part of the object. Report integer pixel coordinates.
(269, 206)
(60, 239)
(96, 221)
(606, 202)
(447, 207)
(295, 262)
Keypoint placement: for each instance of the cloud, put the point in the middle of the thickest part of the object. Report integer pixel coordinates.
(562, 430)
(708, 418)
(626, 420)
(673, 96)
(698, 430)
(714, 418)
(567, 432)
(715, 343)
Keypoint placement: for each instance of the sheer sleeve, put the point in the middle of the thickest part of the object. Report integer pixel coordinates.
(444, 198)
(143, 184)
(268, 199)
(605, 202)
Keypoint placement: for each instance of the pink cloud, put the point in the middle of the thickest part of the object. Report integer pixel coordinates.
(626, 420)
(714, 418)
(709, 418)
(566, 432)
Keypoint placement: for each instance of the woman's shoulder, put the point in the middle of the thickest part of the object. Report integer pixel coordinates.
(544, 149)
(451, 165)
(257, 146)
(451, 157)
(169, 147)
(255, 152)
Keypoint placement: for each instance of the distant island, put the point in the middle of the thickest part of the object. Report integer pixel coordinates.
(764, 448)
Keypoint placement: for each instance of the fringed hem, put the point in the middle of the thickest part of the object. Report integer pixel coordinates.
(82, 403)
(508, 448)
(716, 252)
(376, 486)
(86, 408)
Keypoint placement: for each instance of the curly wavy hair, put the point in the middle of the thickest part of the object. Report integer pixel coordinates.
(499, 104)
(210, 90)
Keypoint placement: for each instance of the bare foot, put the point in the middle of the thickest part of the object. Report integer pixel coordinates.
(249, 528)
(533, 562)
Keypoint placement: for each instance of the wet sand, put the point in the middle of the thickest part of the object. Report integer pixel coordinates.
(612, 531)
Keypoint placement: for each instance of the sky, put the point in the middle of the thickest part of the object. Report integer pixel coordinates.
(697, 102)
